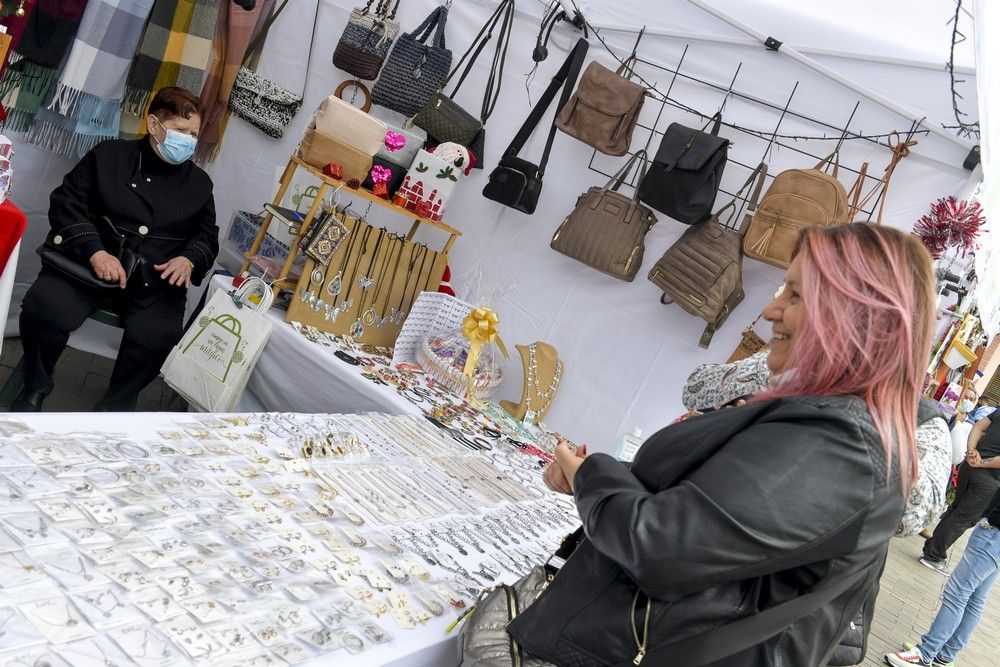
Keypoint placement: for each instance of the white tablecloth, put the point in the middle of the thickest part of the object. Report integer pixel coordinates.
(296, 375)
(426, 645)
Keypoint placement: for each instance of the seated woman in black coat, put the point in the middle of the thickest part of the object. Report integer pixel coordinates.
(745, 511)
(162, 204)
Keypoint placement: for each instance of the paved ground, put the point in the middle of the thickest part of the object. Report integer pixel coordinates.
(909, 596)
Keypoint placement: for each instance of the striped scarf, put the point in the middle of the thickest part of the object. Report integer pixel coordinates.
(83, 107)
(175, 51)
(32, 71)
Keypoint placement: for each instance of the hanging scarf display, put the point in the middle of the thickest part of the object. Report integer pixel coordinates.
(237, 28)
(15, 18)
(83, 108)
(174, 51)
(32, 71)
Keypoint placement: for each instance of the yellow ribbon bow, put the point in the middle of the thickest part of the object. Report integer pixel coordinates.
(480, 328)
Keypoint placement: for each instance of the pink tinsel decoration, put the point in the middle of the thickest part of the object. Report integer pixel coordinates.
(381, 174)
(950, 224)
(394, 141)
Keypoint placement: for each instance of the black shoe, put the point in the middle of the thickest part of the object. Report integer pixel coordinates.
(29, 401)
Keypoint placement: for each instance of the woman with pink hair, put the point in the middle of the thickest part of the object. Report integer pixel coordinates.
(752, 536)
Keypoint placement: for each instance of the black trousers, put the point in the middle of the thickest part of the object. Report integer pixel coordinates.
(976, 487)
(54, 307)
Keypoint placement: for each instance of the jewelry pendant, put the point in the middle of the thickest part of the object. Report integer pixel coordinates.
(365, 283)
(529, 417)
(369, 317)
(316, 276)
(335, 285)
(356, 329)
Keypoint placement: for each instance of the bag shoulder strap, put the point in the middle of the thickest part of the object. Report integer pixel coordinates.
(258, 42)
(434, 23)
(504, 16)
(732, 638)
(618, 178)
(565, 78)
(831, 159)
(759, 174)
(900, 149)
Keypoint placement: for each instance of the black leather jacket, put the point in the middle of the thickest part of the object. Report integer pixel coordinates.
(719, 517)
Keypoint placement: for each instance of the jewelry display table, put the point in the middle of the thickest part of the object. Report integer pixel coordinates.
(258, 539)
(294, 374)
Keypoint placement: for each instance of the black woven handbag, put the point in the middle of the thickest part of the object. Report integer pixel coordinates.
(686, 172)
(366, 39)
(442, 118)
(516, 182)
(415, 70)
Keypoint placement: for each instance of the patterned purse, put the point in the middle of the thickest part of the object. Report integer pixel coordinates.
(415, 69)
(258, 100)
(366, 40)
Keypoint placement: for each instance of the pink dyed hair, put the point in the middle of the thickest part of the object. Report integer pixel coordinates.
(868, 296)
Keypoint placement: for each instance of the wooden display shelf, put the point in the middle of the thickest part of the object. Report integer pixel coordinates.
(326, 182)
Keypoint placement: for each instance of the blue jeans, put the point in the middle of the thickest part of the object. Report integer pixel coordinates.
(964, 597)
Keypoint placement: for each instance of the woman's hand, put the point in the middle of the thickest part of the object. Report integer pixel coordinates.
(555, 479)
(176, 271)
(108, 268)
(569, 461)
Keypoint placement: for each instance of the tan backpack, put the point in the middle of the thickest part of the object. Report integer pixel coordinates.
(797, 198)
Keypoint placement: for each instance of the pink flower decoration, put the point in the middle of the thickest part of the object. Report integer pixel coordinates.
(394, 141)
(381, 174)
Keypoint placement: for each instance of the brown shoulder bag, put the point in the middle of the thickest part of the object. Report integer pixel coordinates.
(607, 229)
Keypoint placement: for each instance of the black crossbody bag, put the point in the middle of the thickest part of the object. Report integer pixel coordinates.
(62, 261)
(516, 182)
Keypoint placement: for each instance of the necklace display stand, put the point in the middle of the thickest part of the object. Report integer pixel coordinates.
(542, 376)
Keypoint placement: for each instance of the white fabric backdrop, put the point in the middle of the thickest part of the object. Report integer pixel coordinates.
(625, 354)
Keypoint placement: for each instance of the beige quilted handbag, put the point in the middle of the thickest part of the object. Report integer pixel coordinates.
(607, 229)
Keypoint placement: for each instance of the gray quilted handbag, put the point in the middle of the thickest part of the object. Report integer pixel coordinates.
(484, 639)
(607, 229)
(703, 270)
(258, 100)
(366, 39)
(415, 70)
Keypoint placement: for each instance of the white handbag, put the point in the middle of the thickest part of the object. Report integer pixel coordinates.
(349, 124)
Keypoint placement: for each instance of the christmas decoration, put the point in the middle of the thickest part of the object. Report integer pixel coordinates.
(950, 224)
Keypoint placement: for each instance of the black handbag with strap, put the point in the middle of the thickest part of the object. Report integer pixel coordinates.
(446, 121)
(60, 260)
(516, 182)
(686, 172)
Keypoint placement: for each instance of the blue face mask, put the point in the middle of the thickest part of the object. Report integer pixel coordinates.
(176, 147)
(966, 405)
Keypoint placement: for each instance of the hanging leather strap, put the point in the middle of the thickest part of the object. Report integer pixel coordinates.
(504, 16)
(565, 79)
(900, 149)
(758, 175)
(258, 41)
(618, 179)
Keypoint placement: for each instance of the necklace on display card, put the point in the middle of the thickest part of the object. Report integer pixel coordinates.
(96, 652)
(157, 605)
(32, 657)
(145, 645)
(12, 457)
(70, 568)
(196, 641)
(19, 570)
(33, 482)
(57, 619)
(16, 632)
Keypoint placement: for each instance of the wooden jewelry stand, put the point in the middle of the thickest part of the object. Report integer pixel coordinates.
(326, 182)
(534, 404)
(384, 258)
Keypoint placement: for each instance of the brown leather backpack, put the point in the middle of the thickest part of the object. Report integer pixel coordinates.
(797, 198)
(604, 110)
(703, 270)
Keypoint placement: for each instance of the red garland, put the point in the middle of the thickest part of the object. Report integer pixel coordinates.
(950, 224)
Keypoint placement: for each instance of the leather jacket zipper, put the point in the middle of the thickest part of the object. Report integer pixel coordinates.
(641, 644)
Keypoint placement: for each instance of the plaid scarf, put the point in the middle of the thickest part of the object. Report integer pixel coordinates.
(175, 50)
(83, 107)
(32, 71)
(236, 29)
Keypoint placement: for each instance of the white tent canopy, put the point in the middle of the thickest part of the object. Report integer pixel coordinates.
(626, 356)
